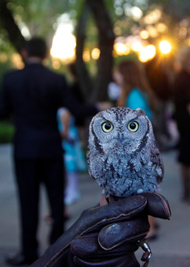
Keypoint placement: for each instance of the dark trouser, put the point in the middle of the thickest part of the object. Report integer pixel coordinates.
(29, 174)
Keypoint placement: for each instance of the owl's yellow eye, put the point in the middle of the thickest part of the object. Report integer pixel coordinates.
(107, 126)
(133, 126)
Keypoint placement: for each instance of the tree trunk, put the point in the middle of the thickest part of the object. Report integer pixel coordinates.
(10, 26)
(95, 91)
(82, 72)
(106, 41)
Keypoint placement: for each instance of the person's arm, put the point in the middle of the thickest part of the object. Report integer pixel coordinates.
(65, 118)
(75, 107)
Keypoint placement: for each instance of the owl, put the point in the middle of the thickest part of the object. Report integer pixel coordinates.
(122, 153)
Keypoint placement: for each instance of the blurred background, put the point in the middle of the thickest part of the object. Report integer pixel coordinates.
(97, 36)
(92, 33)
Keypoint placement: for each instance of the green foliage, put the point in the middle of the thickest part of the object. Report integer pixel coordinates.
(5, 45)
(6, 132)
(4, 67)
(132, 56)
(41, 16)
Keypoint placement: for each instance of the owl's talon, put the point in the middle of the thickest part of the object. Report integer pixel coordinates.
(107, 198)
(147, 252)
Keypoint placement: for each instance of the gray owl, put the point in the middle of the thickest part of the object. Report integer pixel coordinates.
(122, 153)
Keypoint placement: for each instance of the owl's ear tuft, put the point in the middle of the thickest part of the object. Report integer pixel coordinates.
(140, 111)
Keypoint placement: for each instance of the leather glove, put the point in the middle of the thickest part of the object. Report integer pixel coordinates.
(107, 235)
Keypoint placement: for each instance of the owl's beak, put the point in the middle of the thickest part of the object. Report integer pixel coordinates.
(120, 137)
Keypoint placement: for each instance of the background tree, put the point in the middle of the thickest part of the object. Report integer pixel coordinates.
(9, 24)
(30, 13)
(99, 22)
(103, 24)
(97, 90)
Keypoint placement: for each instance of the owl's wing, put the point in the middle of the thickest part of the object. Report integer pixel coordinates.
(158, 165)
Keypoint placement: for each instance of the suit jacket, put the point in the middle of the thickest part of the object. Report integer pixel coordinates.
(181, 91)
(33, 96)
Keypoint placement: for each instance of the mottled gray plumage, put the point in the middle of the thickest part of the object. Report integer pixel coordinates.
(122, 153)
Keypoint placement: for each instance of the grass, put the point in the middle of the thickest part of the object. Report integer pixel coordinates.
(6, 132)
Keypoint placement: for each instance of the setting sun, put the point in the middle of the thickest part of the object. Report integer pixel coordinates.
(165, 47)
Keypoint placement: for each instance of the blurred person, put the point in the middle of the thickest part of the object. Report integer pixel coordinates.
(114, 90)
(33, 95)
(159, 81)
(75, 88)
(136, 93)
(73, 154)
(181, 91)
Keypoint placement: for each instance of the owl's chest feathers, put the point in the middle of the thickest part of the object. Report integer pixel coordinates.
(124, 176)
(123, 165)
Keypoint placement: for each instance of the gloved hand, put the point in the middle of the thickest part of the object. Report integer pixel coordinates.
(107, 235)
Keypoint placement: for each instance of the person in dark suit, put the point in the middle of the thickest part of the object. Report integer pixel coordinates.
(181, 97)
(33, 96)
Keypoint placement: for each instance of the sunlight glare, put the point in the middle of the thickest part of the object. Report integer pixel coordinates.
(165, 47)
(64, 43)
(147, 53)
(136, 46)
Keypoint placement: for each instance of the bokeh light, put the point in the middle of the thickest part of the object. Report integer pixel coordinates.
(136, 13)
(3, 57)
(152, 31)
(17, 61)
(121, 49)
(165, 47)
(183, 32)
(147, 53)
(56, 64)
(144, 34)
(86, 55)
(95, 53)
(161, 27)
(64, 43)
(136, 46)
(153, 16)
